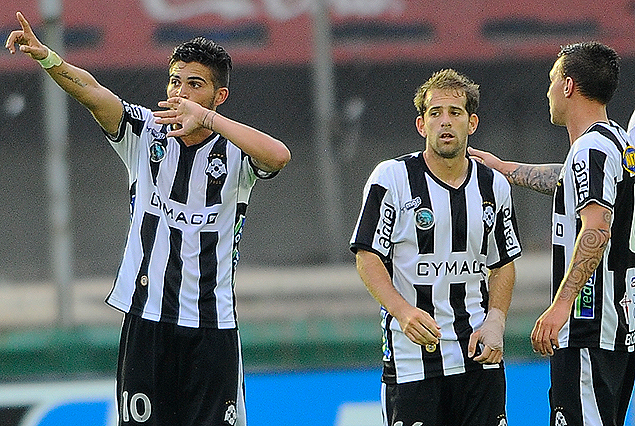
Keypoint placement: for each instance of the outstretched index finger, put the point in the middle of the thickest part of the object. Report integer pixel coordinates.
(26, 27)
(19, 36)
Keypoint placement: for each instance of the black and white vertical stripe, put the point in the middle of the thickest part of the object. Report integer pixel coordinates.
(188, 206)
(439, 267)
(604, 313)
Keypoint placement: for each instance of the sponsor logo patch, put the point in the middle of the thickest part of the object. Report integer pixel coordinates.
(585, 302)
(628, 159)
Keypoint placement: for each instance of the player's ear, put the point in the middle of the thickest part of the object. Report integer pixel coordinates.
(473, 124)
(221, 95)
(569, 87)
(420, 124)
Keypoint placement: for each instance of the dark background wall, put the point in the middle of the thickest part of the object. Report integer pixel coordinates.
(286, 218)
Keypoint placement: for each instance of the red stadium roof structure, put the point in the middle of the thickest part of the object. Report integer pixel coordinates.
(131, 33)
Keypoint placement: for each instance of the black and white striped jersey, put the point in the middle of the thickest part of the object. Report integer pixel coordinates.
(595, 171)
(187, 213)
(437, 243)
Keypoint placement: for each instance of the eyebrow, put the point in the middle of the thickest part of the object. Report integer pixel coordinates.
(191, 78)
(451, 107)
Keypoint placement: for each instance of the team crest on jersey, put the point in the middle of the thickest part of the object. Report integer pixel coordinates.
(489, 215)
(424, 218)
(216, 167)
(157, 152)
(628, 159)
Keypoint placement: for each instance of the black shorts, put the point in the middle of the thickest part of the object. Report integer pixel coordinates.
(590, 386)
(475, 398)
(170, 375)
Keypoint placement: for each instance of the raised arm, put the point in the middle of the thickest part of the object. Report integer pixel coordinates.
(542, 178)
(105, 106)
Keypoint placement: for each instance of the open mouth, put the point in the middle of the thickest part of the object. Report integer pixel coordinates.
(446, 136)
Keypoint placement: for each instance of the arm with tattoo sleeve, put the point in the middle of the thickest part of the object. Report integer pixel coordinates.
(587, 254)
(542, 178)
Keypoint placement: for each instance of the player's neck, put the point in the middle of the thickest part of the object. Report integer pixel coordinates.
(196, 137)
(584, 116)
(452, 171)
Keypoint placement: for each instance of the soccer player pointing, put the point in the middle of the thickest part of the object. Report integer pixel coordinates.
(195, 85)
(428, 223)
(191, 171)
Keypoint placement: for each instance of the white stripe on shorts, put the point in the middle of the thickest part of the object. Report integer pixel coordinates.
(590, 411)
(241, 412)
(384, 412)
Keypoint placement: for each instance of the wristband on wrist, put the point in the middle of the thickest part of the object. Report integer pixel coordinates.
(51, 60)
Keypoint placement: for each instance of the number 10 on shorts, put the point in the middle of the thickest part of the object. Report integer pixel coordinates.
(139, 407)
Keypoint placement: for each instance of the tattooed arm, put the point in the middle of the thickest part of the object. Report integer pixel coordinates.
(587, 253)
(539, 177)
(80, 84)
(104, 105)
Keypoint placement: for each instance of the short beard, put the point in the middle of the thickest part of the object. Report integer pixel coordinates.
(449, 155)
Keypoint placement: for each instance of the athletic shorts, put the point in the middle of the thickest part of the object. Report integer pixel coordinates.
(170, 375)
(475, 398)
(590, 386)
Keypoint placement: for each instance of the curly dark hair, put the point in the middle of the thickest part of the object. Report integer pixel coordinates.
(208, 53)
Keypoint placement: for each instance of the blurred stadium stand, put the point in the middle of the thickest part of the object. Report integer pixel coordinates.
(291, 318)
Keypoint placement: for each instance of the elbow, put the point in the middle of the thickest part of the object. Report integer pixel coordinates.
(280, 159)
(286, 158)
(273, 158)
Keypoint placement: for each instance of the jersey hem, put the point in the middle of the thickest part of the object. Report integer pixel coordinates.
(416, 377)
(607, 346)
(184, 322)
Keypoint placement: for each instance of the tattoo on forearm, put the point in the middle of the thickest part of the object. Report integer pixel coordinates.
(590, 247)
(75, 80)
(543, 178)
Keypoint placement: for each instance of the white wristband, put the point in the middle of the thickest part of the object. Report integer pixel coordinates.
(51, 60)
(493, 329)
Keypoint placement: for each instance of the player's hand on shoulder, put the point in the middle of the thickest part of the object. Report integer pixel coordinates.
(484, 157)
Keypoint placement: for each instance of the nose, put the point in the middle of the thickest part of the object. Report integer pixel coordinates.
(181, 92)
